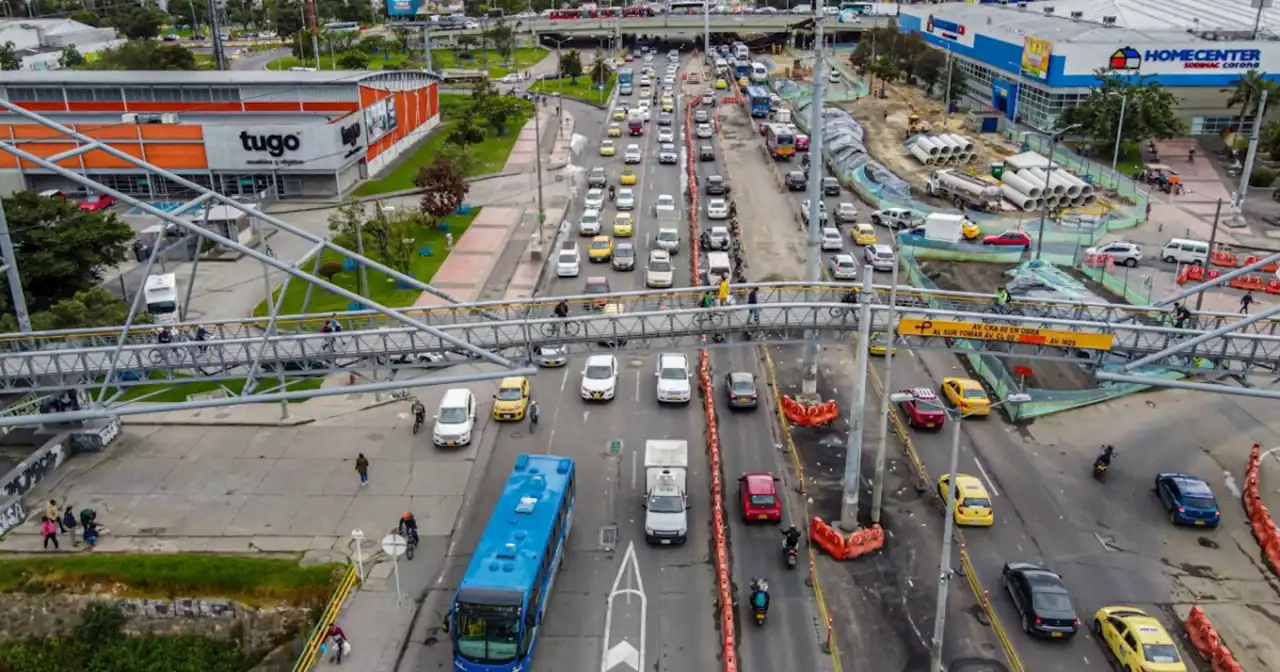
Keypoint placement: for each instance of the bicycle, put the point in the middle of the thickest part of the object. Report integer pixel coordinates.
(168, 357)
(568, 327)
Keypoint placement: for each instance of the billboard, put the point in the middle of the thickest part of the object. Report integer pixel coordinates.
(380, 118)
(402, 7)
(949, 31)
(1172, 58)
(1035, 57)
(264, 148)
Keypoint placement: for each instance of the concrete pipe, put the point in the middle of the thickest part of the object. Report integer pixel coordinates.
(1026, 160)
(965, 143)
(950, 146)
(1017, 198)
(1060, 177)
(1038, 176)
(1022, 185)
(972, 158)
(928, 146)
(1089, 201)
(1085, 187)
(922, 155)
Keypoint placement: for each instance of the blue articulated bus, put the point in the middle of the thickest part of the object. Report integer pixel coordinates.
(504, 594)
(759, 100)
(624, 76)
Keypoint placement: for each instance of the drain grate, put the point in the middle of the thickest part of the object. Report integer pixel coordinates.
(609, 537)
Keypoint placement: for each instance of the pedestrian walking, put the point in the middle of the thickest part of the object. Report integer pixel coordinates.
(340, 645)
(1245, 302)
(69, 525)
(362, 468)
(49, 530)
(752, 299)
(51, 512)
(533, 416)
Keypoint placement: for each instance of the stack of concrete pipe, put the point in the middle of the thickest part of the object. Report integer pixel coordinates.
(1059, 190)
(943, 149)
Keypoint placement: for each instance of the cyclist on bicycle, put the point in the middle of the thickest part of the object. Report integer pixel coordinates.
(533, 414)
(562, 309)
(408, 527)
(165, 335)
(709, 300)
(1002, 299)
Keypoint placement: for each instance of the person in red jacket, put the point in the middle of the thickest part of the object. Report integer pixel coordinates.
(339, 639)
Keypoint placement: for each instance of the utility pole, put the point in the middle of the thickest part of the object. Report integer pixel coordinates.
(315, 31)
(1252, 154)
(852, 484)
(882, 448)
(219, 57)
(537, 154)
(706, 28)
(1115, 155)
(809, 379)
(1213, 238)
(13, 276)
(1048, 173)
(426, 46)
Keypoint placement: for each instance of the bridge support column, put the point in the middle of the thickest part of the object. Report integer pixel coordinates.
(857, 413)
(809, 381)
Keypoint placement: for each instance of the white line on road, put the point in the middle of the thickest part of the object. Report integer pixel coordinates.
(990, 484)
(624, 651)
(585, 415)
(637, 386)
(634, 457)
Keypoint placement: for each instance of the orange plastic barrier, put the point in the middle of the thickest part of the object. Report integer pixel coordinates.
(1212, 274)
(810, 416)
(1269, 268)
(1206, 640)
(1264, 527)
(1273, 286)
(1192, 273)
(827, 538)
(1253, 283)
(1224, 259)
(864, 541)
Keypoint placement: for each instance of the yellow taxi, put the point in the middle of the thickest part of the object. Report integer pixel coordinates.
(969, 230)
(628, 176)
(512, 399)
(721, 84)
(1121, 628)
(619, 114)
(601, 249)
(743, 82)
(973, 504)
(967, 395)
(668, 105)
(879, 344)
(623, 225)
(863, 234)
(615, 130)
(608, 148)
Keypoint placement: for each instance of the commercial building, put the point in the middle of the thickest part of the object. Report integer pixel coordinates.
(259, 134)
(38, 43)
(1031, 61)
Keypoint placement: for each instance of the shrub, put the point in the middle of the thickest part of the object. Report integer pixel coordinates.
(1262, 177)
(329, 269)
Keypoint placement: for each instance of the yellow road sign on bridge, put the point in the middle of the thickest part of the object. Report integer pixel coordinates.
(910, 326)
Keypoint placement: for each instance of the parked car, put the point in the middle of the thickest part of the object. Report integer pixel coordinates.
(98, 203)
(1008, 239)
(1122, 253)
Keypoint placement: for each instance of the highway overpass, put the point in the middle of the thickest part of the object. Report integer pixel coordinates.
(678, 24)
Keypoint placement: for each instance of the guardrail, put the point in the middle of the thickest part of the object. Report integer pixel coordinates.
(311, 651)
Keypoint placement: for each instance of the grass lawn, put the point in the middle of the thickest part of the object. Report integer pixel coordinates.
(583, 89)
(482, 59)
(375, 62)
(169, 391)
(255, 581)
(382, 289)
(491, 156)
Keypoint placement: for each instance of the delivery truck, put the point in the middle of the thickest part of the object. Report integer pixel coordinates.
(666, 501)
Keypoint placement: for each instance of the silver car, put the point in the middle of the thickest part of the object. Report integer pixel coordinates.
(551, 356)
(666, 135)
(844, 267)
(626, 199)
(667, 154)
(1121, 252)
(704, 131)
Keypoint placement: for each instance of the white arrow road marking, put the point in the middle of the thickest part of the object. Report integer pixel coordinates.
(624, 651)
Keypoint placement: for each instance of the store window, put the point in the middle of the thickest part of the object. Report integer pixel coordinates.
(138, 95)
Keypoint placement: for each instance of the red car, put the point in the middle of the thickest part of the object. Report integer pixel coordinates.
(98, 203)
(758, 491)
(1009, 239)
(923, 410)
(802, 142)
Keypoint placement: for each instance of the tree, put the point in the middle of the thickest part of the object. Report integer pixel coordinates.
(86, 17)
(9, 59)
(444, 188)
(329, 269)
(345, 221)
(466, 132)
(462, 159)
(287, 18)
(342, 40)
(1148, 111)
(498, 110)
(94, 307)
(403, 38)
(571, 65)
(146, 55)
(503, 39)
(929, 69)
(353, 60)
(599, 71)
(70, 58)
(183, 12)
(885, 69)
(141, 23)
(1247, 92)
(374, 44)
(393, 236)
(61, 250)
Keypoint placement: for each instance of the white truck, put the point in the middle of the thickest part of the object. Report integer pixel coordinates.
(666, 501)
(944, 227)
(161, 294)
(964, 190)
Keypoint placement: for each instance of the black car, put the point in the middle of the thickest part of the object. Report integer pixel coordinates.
(664, 118)
(706, 153)
(796, 181)
(597, 178)
(741, 387)
(830, 186)
(1042, 600)
(717, 186)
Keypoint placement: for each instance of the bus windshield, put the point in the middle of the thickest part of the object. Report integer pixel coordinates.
(161, 307)
(487, 634)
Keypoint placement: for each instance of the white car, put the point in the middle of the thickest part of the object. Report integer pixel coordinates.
(669, 79)
(834, 77)
(1121, 252)
(704, 131)
(632, 154)
(646, 112)
(667, 154)
(600, 378)
(831, 239)
(844, 267)
(668, 240)
(720, 238)
(673, 379)
(594, 199)
(660, 272)
(666, 135)
(510, 78)
(626, 199)
(589, 225)
(717, 208)
(701, 117)
(568, 261)
(666, 205)
(879, 257)
(846, 213)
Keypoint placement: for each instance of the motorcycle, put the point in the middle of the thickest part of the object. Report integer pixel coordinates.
(1099, 469)
(418, 419)
(791, 553)
(759, 615)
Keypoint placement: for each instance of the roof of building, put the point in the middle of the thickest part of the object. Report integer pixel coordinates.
(182, 77)
(1135, 20)
(202, 118)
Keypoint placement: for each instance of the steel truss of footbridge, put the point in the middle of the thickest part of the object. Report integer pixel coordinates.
(649, 321)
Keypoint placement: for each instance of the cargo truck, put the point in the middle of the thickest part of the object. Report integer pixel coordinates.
(964, 190)
(666, 500)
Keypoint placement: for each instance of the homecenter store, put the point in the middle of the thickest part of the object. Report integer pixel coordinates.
(1030, 66)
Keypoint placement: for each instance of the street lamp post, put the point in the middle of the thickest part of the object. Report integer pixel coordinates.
(877, 480)
(949, 522)
(1048, 173)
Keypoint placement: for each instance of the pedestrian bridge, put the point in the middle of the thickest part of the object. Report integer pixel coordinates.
(1086, 333)
(685, 24)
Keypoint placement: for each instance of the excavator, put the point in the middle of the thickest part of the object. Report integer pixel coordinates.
(916, 125)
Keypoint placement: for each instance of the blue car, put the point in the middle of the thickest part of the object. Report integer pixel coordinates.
(1188, 499)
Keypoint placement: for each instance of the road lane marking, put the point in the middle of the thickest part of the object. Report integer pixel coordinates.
(585, 415)
(624, 652)
(633, 469)
(986, 477)
(1229, 480)
(637, 385)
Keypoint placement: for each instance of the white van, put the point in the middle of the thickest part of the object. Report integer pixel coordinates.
(1185, 251)
(718, 266)
(568, 261)
(455, 418)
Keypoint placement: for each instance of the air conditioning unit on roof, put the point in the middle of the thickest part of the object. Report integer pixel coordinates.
(1048, 10)
(128, 118)
(1108, 20)
(1076, 16)
(169, 118)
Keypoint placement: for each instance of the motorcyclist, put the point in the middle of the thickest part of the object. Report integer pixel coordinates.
(791, 538)
(562, 309)
(419, 412)
(705, 240)
(760, 595)
(1108, 451)
(1191, 154)
(612, 192)
(408, 527)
